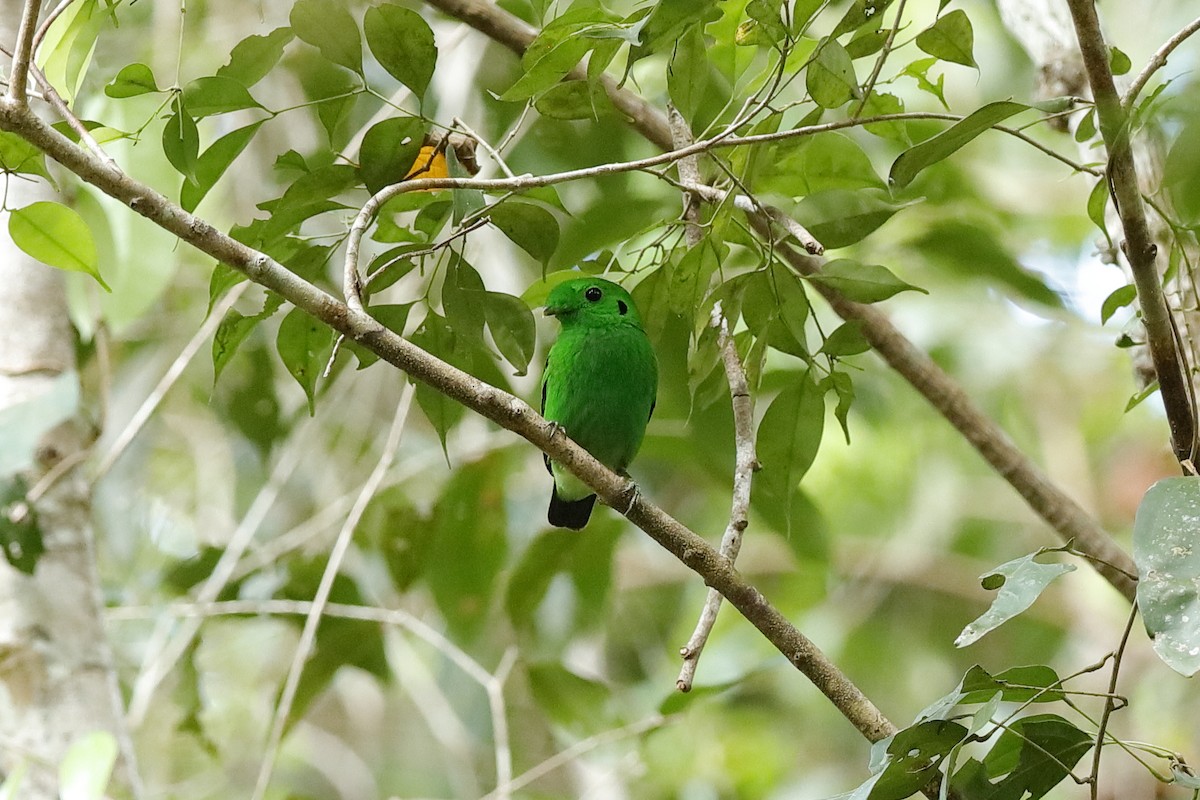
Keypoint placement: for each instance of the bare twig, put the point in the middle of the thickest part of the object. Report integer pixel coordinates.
(1110, 702)
(491, 151)
(1139, 247)
(1049, 502)
(739, 515)
(884, 52)
(308, 635)
(48, 20)
(152, 401)
(689, 173)
(1157, 62)
(18, 78)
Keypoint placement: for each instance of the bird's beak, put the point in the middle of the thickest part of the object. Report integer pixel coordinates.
(553, 311)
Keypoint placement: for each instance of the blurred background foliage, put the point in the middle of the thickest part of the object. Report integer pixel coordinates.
(876, 556)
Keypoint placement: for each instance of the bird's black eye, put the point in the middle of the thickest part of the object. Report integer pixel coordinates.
(622, 309)
(593, 293)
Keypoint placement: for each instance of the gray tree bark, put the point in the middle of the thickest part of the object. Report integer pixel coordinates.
(57, 679)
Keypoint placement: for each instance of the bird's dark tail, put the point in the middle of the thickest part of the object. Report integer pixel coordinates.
(572, 514)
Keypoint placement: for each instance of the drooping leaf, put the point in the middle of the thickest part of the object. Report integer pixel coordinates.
(1031, 757)
(513, 329)
(789, 437)
(434, 336)
(913, 757)
(181, 139)
(862, 283)
(18, 155)
(575, 100)
(328, 26)
(846, 340)
(951, 38)
(840, 217)
(1168, 562)
(392, 317)
(1018, 583)
(830, 77)
(57, 236)
(402, 41)
(911, 162)
(529, 226)
(1116, 301)
(1036, 683)
(304, 345)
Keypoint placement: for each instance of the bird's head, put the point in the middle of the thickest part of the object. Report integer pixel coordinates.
(593, 301)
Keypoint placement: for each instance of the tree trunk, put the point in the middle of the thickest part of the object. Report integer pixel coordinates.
(57, 680)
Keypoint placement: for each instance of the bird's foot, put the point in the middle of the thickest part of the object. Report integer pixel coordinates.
(554, 428)
(632, 492)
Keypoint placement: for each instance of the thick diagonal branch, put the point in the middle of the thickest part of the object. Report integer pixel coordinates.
(502, 408)
(1139, 245)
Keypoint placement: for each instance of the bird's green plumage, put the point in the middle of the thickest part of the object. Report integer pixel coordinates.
(600, 383)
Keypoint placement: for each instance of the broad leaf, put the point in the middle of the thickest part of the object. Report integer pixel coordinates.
(1168, 561)
(213, 163)
(214, 94)
(57, 236)
(529, 226)
(862, 283)
(1019, 582)
(402, 41)
(911, 162)
(304, 345)
(950, 39)
(389, 149)
(328, 26)
(255, 56)
(830, 77)
(131, 81)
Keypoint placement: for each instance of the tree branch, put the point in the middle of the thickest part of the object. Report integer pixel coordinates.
(1157, 62)
(1139, 247)
(18, 79)
(502, 408)
(1062, 513)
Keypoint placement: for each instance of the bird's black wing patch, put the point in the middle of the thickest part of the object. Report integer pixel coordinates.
(545, 380)
(651, 414)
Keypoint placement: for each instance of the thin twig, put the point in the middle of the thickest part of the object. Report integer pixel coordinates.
(308, 636)
(1157, 62)
(173, 373)
(48, 20)
(491, 151)
(689, 173)
(1110, 701)
(884, 52)
(1139, 246)
(739, 514)
(18, 77)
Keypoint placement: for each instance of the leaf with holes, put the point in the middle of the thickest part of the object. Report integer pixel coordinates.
(1018, 583)
(20, 534)
(388, 151)
(1168, 561)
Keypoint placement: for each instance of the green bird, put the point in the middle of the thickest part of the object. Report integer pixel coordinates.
(600, 384)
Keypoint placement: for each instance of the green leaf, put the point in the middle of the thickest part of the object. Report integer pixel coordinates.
(1168, 562)
(392, 526)
(205, 97)
(1118, 62)
(1117, 300)
(846, 340)
(950, 39)
(20, 534)
(830, 76)
(213, 163)
(824, 161)
(688, 72)
(131, 81)
(255, 56)
(543, 559)
(866, 43)
(470, 542)
(575, 702)
(528, 226)
(1019, 582)
(402, 41)
(667, 22)
(862, 283)
(56, 236)
(87, 766)
(436, 338)
(971, 251)
(513, 328)
(919, 71)
(233, 330)
(548, 70)
(1096, 205)
(1028, 684)
(1087, 126)
(1181, 172)
(328, 26)
(840, 217)
(18, 155)
(880, 104)
(304, 345)
(937, 148)
(389, 149)
(789, 437)
(913, 757)
(181, 140)
(1034, 754)
(860, 13)
(575, 100)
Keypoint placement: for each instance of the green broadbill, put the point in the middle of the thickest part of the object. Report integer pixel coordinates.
(600, 383)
